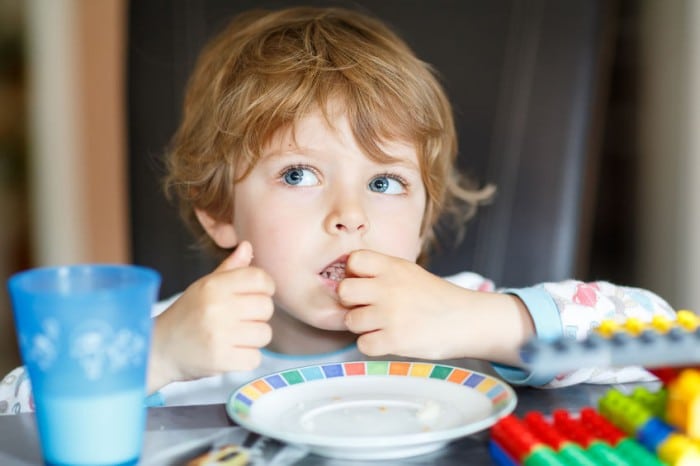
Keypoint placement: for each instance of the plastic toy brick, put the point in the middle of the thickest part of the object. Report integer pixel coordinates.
(685, 319)
(643, 428)
(585, 440)
(499, 456)
(624, 412)
(517, 440)
(660, 343)
(670, 445)
(683, 407)
(665, 374)
(688, 320)
(679, 450)
(572, 447)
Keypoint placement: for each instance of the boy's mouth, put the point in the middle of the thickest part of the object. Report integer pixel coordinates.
(335, 271)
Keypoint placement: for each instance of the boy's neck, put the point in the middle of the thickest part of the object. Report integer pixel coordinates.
(291, 336)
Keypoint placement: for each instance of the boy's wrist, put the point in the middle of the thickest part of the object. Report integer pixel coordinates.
(503, 323)
(541, 309)
(159, 373)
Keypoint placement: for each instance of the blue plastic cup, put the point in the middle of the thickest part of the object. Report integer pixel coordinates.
(84, 334)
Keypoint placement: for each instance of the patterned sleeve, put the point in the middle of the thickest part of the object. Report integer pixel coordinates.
(583, 306)
(15, 393)
(573, 308)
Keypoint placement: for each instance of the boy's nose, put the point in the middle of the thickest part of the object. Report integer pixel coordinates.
(348, 217)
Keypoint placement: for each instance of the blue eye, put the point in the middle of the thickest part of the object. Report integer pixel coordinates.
(387, 185)
(299, 176)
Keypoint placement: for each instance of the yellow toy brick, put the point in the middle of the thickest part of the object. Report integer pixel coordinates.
(683, 408)
(607, 328)
(678, 450)
(688, 320)
(634, 326)
(661, 323)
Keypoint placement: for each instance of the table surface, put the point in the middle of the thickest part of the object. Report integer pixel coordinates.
(175, 433)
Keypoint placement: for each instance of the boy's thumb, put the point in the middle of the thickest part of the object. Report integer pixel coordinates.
(240, 257)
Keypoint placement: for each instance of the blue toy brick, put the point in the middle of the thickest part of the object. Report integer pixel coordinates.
(654, 433)
(499, 456)
(676, 348)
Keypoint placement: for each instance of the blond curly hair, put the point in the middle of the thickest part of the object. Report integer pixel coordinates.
(269, 69)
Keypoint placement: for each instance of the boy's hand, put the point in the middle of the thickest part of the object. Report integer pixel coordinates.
(218, 325)
(400, 308)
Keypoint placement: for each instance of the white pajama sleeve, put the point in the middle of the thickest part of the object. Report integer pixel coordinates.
(16, 393)
(573, 308)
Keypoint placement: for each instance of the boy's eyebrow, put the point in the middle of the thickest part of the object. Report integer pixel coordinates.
(405, 163)
(276, 153)
(301, 150)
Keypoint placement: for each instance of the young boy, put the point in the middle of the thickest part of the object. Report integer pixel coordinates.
(316, 154)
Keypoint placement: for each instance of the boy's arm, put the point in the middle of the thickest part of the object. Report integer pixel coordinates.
(544, 315)
(399, 308)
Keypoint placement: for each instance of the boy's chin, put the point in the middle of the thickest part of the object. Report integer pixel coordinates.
(333, 320)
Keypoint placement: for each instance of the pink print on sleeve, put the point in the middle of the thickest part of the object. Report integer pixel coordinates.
(586, 294)
(486, 285)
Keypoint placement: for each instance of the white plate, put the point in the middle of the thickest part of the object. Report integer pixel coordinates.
(371, 409)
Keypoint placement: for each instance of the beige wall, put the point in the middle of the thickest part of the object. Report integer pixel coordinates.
(669, 235)
(76, 59)
(102, 127)
(77, 161)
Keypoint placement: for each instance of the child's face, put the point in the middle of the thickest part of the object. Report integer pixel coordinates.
(305, 207)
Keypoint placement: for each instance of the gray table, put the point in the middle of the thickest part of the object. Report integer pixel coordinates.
(177, 432)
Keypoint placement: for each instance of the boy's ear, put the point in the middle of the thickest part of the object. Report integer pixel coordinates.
(222, 233)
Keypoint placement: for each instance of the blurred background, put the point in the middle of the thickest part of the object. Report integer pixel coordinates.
(64, 161)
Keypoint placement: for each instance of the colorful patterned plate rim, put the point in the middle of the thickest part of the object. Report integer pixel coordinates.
(371, 405)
